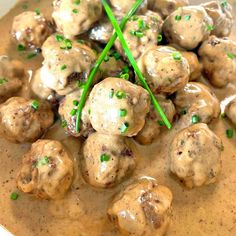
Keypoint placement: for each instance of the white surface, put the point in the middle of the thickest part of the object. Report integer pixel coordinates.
(5, 5)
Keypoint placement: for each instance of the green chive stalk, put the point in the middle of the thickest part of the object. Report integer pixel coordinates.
(99, 62)
(133, 62)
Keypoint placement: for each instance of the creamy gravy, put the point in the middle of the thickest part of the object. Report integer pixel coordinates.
(209, 210)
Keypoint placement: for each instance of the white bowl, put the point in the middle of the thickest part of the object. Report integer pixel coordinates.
(5, 6)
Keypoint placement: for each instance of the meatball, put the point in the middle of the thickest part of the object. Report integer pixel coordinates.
(188, 26)
(122, 7)
(118, 107)
(102, 31)
(107, 160)
(154, 124)
(198, 102)
(164, 69)
(143, 208)
(67, 64)
(114, 67)
(194, 65)
(218, 58)
(75, 17)
(24, 120)
(30, 29)
(140, 32)
(11, 73)
(195, 155)
(166, 7)
(39, 89)
(230, 111)
(221, 14)
(47, 170)
(67, 110)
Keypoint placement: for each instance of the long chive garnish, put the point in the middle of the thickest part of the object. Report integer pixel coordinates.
(99, 62)
(133, 62)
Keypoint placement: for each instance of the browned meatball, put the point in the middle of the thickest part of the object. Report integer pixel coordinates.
(164, 68)
(140, 32)
(39, 89)
(197, 103)
(118, 107)
(30, 29)
(24, 120)
(102, 31)
(153, 123)
(188, 26)
(107, 160)
(195, 155)
(67, 110)
(11, 73)
(218, 56)
(47, 170)
(230, 111)
(67, 64)
(221, 14)
(142, 209)
(166, 7)
(75, 17)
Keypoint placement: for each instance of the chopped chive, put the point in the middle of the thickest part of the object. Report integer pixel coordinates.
(59, 38)
(104, 158)
(35, 105)
(107, 58)
(210, 27)
(187, 17)
(77, 2)
(133, 62)
(134, 18)
(124, 128)
(80, 41)
(161, 123)
(123, 112)
(136, 33)
(178, 18)
(24, 6)
(66, 44)
(224, 3)
(14, 196)
(223, 115)
(195, 119)
(3, 81)
(81, 84)
(177, 56)
(73, 112)
(63, 123)
(116, 55)
(63, 67)
(37, 12)
(230, 133)
(32, 55)
(231, 55)
(183, 112)
(120, 94)
(124, 76)
(111, 94)
(159, 38)
(75, 103)
(21, 48)
(100, 60)
(75, 11)
(125, 69)
(43, 161)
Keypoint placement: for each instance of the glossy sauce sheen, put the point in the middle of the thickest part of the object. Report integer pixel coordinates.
(209, 210)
